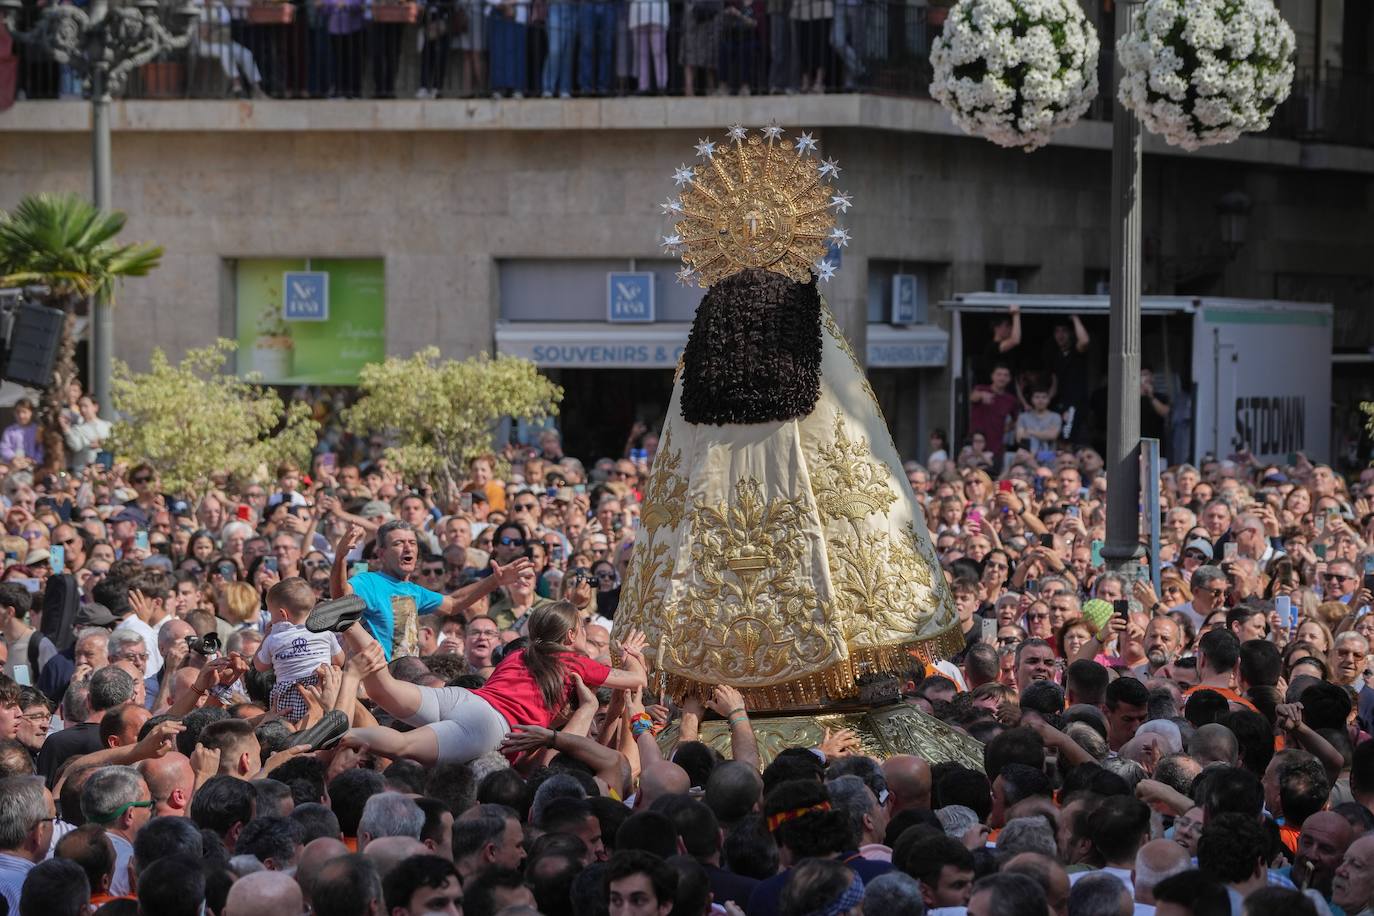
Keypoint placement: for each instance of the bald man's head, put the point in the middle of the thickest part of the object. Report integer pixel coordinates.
(1155, 861)
(313, 858)
(1214, 743)
(264, 893)
(1047, 873)
(171, 781)
(388, 851)
(908, 781)
(660, 779)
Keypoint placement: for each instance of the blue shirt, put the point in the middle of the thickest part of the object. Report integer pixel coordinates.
(377, 589)
(13, 871)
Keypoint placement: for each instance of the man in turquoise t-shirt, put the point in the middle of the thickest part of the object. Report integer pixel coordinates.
(393, 601)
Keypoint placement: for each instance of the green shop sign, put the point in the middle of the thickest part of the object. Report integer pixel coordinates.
(309, 322)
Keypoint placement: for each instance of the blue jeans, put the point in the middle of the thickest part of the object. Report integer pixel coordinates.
(558, 77)
(595, 46)
(506, 42)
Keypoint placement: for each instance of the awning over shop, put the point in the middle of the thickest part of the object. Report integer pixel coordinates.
(587, 345)
(1062, 305)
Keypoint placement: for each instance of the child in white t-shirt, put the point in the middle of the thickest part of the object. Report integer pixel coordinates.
(290, 650)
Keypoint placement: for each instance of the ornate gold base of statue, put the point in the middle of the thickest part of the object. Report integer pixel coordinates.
(780, 548)
(883, 731)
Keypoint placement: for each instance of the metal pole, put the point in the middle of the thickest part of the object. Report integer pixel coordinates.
(1122, 547)
(102, 322)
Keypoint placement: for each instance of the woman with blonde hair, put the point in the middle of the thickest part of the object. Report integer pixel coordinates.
(1314, 631)
(1174, 589)
(1331, 613)
(237, 605)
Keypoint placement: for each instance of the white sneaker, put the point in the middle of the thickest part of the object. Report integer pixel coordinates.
(565, 95)
(546, 94)
(517, 95)
(422, 93)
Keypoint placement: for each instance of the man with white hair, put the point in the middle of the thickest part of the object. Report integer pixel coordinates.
(1157, 860)
(1177, 524)
(389, 814)
(126, 645)
(1251, 540)
(1348, 654)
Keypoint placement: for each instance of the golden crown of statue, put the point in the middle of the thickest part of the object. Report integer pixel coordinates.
(759, 202)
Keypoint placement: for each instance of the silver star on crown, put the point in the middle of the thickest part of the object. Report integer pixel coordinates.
(805, 143)
(671, 205)
(705, 148)
(683, 175)
(829, 167)
(840, 236)
(825, 270)
(842, 201)
(772, 132)
(686, 276)
(671, 243)
(737, 132)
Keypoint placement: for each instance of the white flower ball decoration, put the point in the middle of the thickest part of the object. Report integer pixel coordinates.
(1199, 72)
(1015, 71)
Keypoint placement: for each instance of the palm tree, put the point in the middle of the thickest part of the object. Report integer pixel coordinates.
(66, 244)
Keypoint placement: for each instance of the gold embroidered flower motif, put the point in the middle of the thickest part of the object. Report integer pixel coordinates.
(848, 483)
(749, 613)
(665, 496)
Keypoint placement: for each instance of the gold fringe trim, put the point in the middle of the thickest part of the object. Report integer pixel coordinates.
(837, 683)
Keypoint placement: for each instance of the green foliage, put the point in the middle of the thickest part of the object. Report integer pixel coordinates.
(67, 244)
(1368, 408)
(443, 413)
(191, 420)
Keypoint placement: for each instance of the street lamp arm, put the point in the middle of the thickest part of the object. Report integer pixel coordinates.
(133, 37)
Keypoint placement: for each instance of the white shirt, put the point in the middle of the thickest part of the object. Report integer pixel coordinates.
(295, 652)
(1187, 608)
(124, 850)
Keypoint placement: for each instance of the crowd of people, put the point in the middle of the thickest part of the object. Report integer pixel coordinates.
(335, 690)
(519, 48)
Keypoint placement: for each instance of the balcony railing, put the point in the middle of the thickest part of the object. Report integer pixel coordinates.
(348, 49)
(474, 48)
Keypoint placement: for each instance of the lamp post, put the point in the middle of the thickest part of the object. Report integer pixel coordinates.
(1122, 548)
(105, 44)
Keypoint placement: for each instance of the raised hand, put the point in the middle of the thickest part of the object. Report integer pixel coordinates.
(509, 574)
(161, 740)
(633, 643)
(724, 699)
(586, 696)
(524, 738)
(367, 661)
(843, 742)
(205, 761)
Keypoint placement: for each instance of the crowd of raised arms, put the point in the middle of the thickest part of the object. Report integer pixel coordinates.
(332, 690)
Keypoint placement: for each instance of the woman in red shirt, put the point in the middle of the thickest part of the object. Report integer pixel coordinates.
(529, 687)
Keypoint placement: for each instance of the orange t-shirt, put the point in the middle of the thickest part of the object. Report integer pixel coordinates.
(1289, 835)
(1227, 692)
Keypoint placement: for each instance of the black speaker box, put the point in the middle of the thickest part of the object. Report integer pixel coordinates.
(34, 340)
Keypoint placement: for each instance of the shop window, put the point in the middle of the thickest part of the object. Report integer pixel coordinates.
(309, 321)
(920, 280)
(549, 289)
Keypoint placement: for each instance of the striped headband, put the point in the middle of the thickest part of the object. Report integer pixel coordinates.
(777, 820)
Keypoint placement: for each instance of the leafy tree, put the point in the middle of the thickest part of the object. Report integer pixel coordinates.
(192, 420)
(65, 243)
(441, 413)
